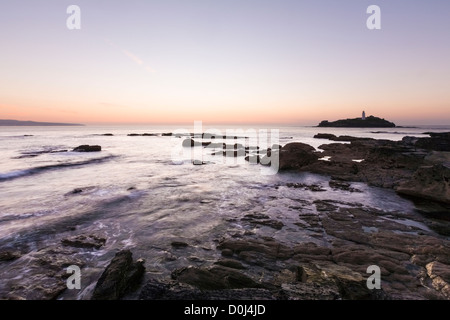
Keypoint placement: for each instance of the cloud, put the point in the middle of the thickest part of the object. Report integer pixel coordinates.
(131, 56)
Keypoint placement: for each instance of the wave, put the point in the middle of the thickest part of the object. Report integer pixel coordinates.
(37, 170)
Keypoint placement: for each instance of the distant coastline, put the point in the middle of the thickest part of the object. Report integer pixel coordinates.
(12, 123)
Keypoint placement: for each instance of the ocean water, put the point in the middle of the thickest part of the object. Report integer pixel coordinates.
(140, 196)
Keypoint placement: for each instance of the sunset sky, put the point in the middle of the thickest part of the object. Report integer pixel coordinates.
(224, 61)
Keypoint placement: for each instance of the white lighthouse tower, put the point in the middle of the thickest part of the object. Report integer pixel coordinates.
(363, 115)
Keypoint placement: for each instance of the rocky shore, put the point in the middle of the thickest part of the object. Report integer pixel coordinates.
(412, 250)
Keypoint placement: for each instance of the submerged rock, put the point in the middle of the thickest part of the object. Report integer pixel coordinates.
(83, 241)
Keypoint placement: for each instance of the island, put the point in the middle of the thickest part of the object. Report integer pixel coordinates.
(12, 123)
(363, 122)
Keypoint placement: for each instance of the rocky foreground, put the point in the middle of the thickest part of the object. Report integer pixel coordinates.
(412, 251)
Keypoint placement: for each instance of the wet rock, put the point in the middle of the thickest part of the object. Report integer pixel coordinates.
(428, 182)
(179, 244)
(9, 255)
(261, 219)
(328, 136)
(438, 142)
(214, 278)
(87, 148)
(119, 277)
(172, 290)
(313, 187)
(263, 247)
(45, 277)
(227, 253)
(230, 263)
(296, 155)
(341, 185)
(84, 241)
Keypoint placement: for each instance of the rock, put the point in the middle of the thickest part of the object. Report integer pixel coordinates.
(83, 241)
(87, 148)
(107, 134)
(341, 185)
(438, 157)
(264, 220)
(120, 276)
(179, 244)
(214, 278)
(230, 263)
(133, 135)
(296, 155)
(437, 141)
(172, 290)
(439, 274)
(168, 134)
(77, 190)
(313, 187)
(9, 255)
(428, 182)
(227, 253)
(190, 143)
(328, 136)
(46, 273)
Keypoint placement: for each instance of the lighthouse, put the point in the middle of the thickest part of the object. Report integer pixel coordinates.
(363, 115)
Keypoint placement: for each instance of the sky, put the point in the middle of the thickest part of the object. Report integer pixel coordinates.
(224, 61)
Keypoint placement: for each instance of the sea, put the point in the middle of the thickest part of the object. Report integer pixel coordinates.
(143, 192)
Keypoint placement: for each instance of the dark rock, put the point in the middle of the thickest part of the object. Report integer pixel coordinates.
(77, 190)
(428, 182)
(264, 220)
(87, 148)
(214, 278)
(230, 263)
(227, 253)
(9, 255)
(313, 187)
(179, 244)
(107, 134)
(168, 134)
(328, 136)
(120, 276)
(172, 290)
(437, 142)
(133, 135)
(83, 241)
(296, 155)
